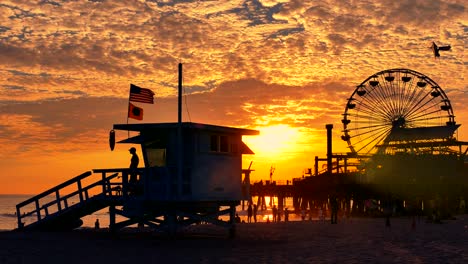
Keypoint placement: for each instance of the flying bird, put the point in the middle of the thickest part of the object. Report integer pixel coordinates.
(436, 49)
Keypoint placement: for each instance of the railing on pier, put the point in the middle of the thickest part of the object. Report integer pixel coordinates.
(54, 201)
(277, 182)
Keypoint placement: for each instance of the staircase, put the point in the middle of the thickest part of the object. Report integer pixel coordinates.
(61, 207)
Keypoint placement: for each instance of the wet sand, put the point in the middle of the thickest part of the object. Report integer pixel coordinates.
(359, 240)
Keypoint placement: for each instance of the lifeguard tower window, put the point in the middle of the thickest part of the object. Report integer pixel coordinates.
(156, 157)
(223, 146)
(214, 143)
(219, 143)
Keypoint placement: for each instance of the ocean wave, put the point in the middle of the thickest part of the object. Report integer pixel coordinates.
(13, 215)
(8, 215)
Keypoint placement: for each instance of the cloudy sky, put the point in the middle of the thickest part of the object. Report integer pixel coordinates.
(283, 67)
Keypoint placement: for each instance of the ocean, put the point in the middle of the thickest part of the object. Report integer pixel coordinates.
(9, 221)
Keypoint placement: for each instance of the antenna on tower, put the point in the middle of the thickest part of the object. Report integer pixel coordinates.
(179, 135)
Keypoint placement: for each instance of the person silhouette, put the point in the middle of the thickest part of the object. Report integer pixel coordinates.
(255, 210)
(321, 215)
(275, 213)
(237, 219)
(132, 183)
(334, 209)
(249, 213)
(286, 214)
(133, 165)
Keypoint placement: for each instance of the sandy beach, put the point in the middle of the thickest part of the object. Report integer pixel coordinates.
(358, 240)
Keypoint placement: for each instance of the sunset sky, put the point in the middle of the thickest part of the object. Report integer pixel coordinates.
(283, 67)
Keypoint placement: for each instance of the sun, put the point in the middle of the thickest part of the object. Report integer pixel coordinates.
(274, 142)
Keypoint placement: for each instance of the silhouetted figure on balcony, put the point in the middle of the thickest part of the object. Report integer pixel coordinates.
(133, 166)
(133, 171)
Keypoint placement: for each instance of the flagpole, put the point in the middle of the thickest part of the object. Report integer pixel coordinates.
(128, 109)
(179, 136)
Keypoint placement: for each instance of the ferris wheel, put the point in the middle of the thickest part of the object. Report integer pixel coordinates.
(396, 105)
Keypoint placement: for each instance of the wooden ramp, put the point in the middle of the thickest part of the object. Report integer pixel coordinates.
(55, 210)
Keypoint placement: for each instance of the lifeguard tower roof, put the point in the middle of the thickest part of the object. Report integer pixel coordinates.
(157, 126)
(148, 130)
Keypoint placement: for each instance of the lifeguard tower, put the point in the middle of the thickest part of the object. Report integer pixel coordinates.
(192, 173)
(198, 184)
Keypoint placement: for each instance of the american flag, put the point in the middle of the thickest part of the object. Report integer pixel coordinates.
(141, 95)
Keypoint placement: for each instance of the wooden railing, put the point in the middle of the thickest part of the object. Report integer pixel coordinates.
(122, 184)
(275, 182)
(45, 202)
